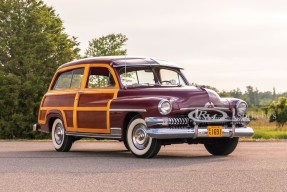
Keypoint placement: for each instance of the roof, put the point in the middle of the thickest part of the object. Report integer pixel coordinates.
(119, 61)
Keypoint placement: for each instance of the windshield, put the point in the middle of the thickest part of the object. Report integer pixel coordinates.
(148, 76)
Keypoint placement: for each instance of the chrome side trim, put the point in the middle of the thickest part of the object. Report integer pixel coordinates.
(201, 132)
(127, 110)
(116, 130)
(204, 108)
(116, 133)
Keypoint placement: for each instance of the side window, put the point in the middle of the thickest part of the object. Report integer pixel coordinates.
(77, 78)
(170, 77)
(100, 77)
(69, 79)
(129, 78)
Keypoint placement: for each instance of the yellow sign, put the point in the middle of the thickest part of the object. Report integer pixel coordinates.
(214, 131)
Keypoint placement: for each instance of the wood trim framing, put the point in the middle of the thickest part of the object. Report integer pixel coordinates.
(104, 107)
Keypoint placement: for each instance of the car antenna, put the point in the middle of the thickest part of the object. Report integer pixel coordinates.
(125, 66)
(125, 69)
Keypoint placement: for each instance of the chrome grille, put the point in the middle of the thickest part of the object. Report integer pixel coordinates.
(178, 121)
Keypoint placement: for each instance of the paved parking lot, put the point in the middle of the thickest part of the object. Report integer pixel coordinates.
(107, 166)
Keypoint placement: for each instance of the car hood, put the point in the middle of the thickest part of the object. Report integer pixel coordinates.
(184, 97)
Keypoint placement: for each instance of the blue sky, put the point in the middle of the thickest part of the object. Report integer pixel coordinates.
(226, 44)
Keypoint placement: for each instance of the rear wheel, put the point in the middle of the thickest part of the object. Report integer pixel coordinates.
(61, 141)
(221, 146)
(139, 143)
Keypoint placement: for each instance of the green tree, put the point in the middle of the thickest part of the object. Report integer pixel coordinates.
(236, 93)
(224, 94)
(32, 45)
(274, 94)
(279, 111)
(252, 96)
(111, 44)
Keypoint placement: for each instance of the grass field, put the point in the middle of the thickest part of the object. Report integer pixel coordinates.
(263, 129)
(266, 130)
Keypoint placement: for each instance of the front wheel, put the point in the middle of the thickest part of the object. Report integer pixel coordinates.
(126, 145)
(139, 143)
(61, 141)
(221, 146)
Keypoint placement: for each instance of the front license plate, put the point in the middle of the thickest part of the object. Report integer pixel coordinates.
(214, 131)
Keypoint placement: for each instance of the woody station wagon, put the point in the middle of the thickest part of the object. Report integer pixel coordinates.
(144, 102)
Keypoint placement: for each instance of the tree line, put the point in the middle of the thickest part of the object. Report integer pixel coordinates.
(33, 44)
(253, 96)
(271, 103)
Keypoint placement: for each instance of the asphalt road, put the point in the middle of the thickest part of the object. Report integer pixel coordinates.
(106, 166)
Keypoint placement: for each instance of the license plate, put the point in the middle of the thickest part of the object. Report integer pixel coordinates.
(214, 131)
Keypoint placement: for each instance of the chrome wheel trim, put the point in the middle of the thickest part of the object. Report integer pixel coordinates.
(59, 133)
(136, 123)
(139, 137)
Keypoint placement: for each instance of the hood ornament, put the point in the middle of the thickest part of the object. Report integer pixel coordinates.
(209, 105)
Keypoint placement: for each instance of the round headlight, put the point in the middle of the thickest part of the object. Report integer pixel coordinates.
(164, 107)
(241, 108)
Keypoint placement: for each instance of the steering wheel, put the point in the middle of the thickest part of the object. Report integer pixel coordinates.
(167, 82)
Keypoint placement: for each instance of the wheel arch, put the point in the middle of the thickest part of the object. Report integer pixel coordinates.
(51, 117)
(129, 116)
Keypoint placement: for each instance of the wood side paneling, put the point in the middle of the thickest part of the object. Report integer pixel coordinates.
(43, 115)
(92, 119)
(69, 118)
(95, 100)
(66, 100)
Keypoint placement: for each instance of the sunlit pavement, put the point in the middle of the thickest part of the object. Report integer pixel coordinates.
(107, 166)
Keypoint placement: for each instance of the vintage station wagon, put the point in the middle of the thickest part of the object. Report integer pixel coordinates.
(144, 102)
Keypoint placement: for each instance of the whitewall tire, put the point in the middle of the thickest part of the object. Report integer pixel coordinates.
(139, 143)
(61, 141)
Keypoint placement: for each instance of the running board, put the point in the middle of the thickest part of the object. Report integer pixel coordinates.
(116, 133)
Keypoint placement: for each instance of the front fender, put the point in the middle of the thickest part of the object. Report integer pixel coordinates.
(146, 106)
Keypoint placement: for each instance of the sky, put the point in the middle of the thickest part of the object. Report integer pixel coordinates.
(226, 44)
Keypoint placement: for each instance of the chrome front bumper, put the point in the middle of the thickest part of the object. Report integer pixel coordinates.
(174, 133)
(162, 129)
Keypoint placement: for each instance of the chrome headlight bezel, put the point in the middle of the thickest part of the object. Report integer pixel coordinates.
(161, 107)
(241, 108)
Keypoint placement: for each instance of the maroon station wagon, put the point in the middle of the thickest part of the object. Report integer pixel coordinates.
(144, 102)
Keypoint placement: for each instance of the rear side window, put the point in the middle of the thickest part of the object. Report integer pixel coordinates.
(100, 77)
(69, 79)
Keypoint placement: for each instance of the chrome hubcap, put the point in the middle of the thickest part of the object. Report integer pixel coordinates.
(59, 133)
(140, 138)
